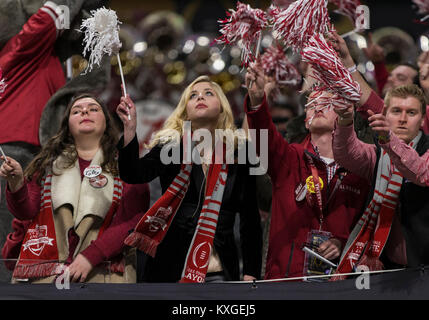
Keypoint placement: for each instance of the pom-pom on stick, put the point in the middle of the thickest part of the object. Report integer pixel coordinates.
(102, 37)
(423, 6)
(243, 26)
(300, 21)
(275, 63)
(329, 70)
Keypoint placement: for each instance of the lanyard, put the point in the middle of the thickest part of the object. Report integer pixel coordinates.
(318, 193)
(315, 175)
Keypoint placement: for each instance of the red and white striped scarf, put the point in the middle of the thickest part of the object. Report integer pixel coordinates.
(153, 226)
(39, 256)
(368, 238)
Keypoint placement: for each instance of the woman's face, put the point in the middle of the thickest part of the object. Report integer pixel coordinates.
(203, 104)
(86, 118)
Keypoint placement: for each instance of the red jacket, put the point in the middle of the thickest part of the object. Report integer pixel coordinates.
(292, 220)
(33, 73)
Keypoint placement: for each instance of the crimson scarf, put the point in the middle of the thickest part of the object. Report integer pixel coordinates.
(369, 237)
(152, 228)
(39, 251)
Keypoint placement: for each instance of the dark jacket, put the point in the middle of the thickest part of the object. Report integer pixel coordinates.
(414, 215)
(239, 196)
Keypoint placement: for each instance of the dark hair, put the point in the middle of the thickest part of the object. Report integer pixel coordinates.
(64, 141)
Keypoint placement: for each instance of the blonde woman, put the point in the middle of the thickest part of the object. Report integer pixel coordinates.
(188, 234)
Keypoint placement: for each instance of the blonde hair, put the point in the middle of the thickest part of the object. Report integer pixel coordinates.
(174, 123)
(410, 90)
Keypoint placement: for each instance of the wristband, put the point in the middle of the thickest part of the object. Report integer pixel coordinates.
(352, 69)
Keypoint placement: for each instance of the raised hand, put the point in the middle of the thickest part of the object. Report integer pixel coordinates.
(12, 172)
(340, 46)
(345, 116)
(379, 124)
(255, 83)
(126, 111)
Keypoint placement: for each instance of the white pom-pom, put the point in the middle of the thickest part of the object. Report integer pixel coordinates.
(101, 35)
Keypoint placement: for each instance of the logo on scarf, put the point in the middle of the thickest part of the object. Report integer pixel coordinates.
(38, 239)
(201, 255)
(356, 253)
(159, 219)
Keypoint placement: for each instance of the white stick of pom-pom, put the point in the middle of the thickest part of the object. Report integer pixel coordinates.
(258, 47)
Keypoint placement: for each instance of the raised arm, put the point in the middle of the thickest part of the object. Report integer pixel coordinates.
(349, 151)
(259, 118)
(23, 197)
(133, 169)
(36, 38)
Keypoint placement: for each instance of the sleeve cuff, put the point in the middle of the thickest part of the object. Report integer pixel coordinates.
(253, 109)
(19, 195)
(55, 12)
(93, 254)
(374, 103)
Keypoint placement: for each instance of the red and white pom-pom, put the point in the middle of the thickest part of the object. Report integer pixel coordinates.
(3, 84)
(329, 71)
(243, 26)
(300, 21)
(321, 100)
(275, 64)
(347, 8)
(423, 6)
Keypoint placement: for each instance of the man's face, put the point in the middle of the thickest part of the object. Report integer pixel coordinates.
(400, 76)
(319, 118)
(405, 117)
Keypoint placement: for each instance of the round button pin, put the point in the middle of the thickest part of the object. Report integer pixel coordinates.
(92, 171)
